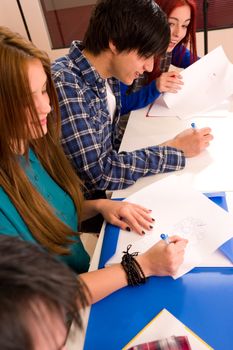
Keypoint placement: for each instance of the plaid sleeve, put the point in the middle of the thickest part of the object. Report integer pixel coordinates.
(88, 142)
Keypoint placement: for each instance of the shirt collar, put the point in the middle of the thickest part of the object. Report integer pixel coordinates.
(89, 73)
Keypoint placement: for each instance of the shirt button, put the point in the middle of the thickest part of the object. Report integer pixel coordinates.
(102, 91)
(100, 80)
(36, 178)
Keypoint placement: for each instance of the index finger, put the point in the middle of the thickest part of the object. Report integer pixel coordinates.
(176, 239)
(205, 131)
(175, 74)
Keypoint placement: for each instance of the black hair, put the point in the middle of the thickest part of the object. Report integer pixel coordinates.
(130, 25)
(27, 275)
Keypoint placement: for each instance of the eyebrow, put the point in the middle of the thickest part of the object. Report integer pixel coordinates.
(176, 19)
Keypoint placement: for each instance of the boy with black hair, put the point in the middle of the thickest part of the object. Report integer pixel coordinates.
(121, 41)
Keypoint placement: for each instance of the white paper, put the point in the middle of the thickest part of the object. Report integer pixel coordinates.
(207, 83)
(166, 325)
(160, 109)
(179, 210)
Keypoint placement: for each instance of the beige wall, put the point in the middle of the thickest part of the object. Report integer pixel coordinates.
(222, 37)
(10, 16)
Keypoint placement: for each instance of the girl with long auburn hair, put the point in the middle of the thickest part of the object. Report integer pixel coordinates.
(181, 52)
(40, 195)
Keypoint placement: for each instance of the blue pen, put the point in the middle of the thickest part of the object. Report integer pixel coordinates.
(193, 125)
(165, 237)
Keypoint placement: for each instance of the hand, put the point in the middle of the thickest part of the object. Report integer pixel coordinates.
(163, 259)
(128, 216)
(169, 82)
(191, 142)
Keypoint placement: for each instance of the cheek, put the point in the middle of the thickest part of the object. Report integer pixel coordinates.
(184, 33)
(172, 30)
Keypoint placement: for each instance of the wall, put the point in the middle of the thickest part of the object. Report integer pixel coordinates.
(10, 16)
(215, 38)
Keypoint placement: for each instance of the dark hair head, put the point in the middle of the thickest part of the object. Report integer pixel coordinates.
(130, 25)
(28, 275)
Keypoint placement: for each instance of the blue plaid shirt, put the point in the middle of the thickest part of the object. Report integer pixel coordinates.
(90, 139)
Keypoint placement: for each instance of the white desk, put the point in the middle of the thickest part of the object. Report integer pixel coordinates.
(209, 171)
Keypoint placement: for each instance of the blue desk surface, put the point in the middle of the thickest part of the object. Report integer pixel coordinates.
(201, 299)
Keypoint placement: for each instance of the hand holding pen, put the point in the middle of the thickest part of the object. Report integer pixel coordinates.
(165, 237)
(165, 257)
(191, 141)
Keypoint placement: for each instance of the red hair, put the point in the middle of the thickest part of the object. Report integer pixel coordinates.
(190, 38)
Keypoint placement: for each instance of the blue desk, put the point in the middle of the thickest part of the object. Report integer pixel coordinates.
(201, 299)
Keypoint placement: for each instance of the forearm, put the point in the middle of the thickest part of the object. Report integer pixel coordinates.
(104, 282)
(119, 170)
(91, 208)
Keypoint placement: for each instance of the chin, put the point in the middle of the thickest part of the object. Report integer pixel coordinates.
(128, 81)
(170, 49)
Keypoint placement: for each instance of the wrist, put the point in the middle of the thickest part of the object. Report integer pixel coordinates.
(134, 272)
(145, 265)
(99, 205)
(171, 143)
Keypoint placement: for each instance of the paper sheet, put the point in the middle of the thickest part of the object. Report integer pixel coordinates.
(160, 109)
(179, 210)
(207, 83)
(165, 325)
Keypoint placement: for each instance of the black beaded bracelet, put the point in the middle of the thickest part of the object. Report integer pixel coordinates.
(134, 272)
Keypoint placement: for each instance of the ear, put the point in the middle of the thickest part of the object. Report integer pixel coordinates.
(113, 48)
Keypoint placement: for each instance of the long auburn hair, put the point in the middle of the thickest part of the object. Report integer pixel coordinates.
(16, 104)
(190, 38)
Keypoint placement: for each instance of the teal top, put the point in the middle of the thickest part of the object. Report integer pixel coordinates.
(11, 222)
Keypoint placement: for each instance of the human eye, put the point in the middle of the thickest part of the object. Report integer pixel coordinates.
(44, 88)
(171, 24)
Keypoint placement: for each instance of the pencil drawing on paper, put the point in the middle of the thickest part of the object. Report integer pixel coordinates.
(191, 228)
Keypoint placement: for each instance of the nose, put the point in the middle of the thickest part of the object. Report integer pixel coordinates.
(176, 31)
(149, 64)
